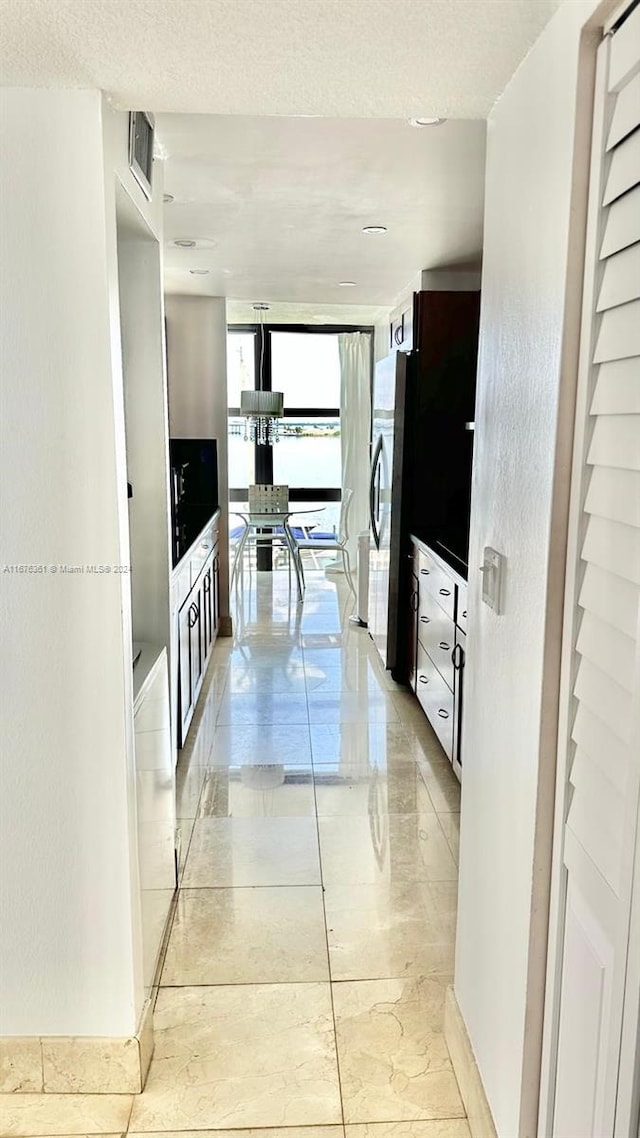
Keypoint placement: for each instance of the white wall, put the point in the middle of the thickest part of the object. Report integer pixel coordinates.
(537, 162)
(70, 953)
(197, 377)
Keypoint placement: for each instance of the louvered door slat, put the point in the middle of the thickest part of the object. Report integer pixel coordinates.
(616, 441)
(594, 817)
(623, 63)
(619, 335)
(617, 387)
(613, 546)
(604, 697)
(607, 648)
(626, 116)
(624, 171)
(606, 749)
(614, 493)
(610, 597)
(623, 223)
(621, 278)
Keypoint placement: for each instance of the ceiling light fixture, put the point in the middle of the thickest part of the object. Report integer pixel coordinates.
(374, 229)
(426, 122)
(167, 198)
(346, 284)
(199, 272)
(184, 243)
(262, 410)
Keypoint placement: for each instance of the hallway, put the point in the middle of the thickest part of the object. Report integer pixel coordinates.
(317, 903)
(304, 978)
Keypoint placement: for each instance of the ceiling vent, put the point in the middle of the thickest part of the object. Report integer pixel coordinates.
(141, 129)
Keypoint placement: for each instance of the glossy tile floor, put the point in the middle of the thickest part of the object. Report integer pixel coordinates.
(304, 979)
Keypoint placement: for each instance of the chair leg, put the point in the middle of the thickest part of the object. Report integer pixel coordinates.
(347, 570)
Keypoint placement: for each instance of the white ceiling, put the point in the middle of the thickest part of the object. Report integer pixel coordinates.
(278, 202)
(352, 58)
(277, 205)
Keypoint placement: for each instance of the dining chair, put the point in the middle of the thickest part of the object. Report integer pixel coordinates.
(266, 523)
(330, 542)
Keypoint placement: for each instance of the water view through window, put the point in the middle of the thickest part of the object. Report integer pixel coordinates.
(306, 368)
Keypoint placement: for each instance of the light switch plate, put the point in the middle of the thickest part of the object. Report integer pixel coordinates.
(492, 570)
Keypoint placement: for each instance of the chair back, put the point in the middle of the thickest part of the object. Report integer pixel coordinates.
(265, 499)
(345, 507)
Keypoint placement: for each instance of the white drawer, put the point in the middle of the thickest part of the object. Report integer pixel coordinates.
(200, 555)
(436, 632)
(437, 582)
(436, 700)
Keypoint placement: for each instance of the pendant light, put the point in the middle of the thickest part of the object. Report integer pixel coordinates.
(262, 410)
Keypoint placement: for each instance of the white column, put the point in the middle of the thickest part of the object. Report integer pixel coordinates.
(70, 953)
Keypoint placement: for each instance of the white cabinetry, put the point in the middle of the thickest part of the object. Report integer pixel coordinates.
(437, 644)
(155, 800)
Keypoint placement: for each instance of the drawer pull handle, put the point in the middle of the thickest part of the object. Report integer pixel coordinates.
(445, 592)
(414, 602)
(442, 713)
(424, 679)
(464, 613)
(425, 571)
(425, 619)
(444, 645)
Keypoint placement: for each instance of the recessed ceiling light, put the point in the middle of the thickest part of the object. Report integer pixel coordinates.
(199, 272)
(183, 243)
(374, 229)
(167, 198)
(346, 284)
(426, 122)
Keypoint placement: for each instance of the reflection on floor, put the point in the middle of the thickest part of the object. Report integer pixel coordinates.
(304, 979)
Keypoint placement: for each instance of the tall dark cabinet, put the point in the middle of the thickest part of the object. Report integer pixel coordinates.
(432, 472)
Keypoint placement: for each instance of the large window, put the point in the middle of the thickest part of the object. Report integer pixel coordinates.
(306, 368)
(303, 363)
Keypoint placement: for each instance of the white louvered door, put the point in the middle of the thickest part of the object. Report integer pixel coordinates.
(596, 837)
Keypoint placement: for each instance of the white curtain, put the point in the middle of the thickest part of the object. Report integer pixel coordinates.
(355, 429)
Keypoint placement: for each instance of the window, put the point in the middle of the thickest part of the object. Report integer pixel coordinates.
(303, 363)
(241, 376)
(306, 368)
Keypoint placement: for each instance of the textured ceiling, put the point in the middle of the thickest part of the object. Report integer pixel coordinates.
(277, 205)
(353, 58)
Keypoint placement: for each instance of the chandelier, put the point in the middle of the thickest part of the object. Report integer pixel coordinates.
(261, 410)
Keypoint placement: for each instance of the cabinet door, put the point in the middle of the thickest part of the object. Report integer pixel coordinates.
(216, 592)
(458, 697)
(412, 638)
(184, 670)
(207, 614)
(195, 641)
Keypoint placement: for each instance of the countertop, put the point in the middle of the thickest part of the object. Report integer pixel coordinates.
(150, 656)
(215, 517)
(444, 565)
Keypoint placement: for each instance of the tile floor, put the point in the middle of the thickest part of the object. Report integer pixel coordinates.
(303, 986)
